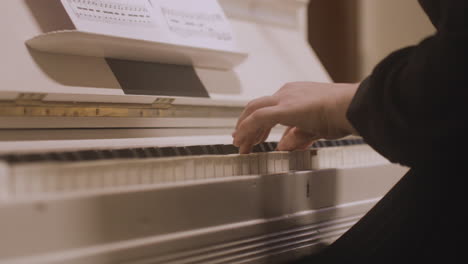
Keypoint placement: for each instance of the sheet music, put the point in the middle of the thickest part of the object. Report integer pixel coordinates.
(123, 18)
(200, 23)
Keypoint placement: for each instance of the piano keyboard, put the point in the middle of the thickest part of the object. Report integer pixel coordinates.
(36, 175)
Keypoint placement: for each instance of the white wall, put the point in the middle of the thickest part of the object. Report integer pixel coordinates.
(386, 25)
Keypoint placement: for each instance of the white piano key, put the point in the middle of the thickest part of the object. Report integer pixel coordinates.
(146, 172)
(292, 161)
(262, 163)
(189, 168)
(237, 165)
(121, 171)
(299, 160)
(209, 167)
(66, 177)
(307, 159)
(199, 167)
(219, 166)
(4, 181)
(254, 161)
(96, 179)
(245, 164)
(285, 161)
(271, 160)
(156, 173)
(34, 184)
(20, 173)
(228, 166)
(168, 170)
(179, 170)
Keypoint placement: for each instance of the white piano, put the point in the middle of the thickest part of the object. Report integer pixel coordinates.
(115, 145)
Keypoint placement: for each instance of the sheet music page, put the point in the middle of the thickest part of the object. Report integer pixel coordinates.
(199, 23)
(123, 18)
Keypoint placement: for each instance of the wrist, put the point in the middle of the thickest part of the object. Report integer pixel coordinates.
(344, 96)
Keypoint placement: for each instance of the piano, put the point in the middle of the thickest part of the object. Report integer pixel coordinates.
(118, 148)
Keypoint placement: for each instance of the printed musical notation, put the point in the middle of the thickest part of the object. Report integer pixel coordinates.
(123, 12)
(196, 24)
(200, 23)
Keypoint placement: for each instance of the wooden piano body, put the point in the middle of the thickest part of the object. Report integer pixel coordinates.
(97, 167)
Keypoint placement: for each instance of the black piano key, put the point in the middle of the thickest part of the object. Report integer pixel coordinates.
(264, 147)
(213, 150)
(88, 155)
(219, 149)
(107, 154)
(11, 158)
(69, 156)
(140, 153)
(169, 152)
(230, 149)
(344, 142)
(257, 149)
(197, 150)
(273, 145)
(124, 153)
(183, 151)
(154, 152)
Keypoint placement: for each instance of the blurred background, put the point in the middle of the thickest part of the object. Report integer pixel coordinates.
(352, 36)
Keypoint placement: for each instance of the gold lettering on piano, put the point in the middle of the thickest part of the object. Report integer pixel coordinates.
(32, 105)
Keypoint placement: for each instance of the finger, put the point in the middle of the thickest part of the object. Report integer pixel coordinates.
(265, 136)
(245, 149)
(286, 131)
(254, 105)
(261, 120)
(296, 139)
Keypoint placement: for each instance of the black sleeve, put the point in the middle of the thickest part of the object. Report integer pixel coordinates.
(412, 107)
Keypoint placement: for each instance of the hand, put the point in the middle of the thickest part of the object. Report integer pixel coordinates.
(310, 111)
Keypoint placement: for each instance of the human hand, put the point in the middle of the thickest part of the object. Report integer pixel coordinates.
(310, 111)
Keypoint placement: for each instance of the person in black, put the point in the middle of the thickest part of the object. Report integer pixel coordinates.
(411, 109)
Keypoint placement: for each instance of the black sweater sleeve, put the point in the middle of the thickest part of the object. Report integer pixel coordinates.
(414, 102)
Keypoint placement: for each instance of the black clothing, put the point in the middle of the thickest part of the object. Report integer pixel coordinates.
(414, 100)
(411, 110)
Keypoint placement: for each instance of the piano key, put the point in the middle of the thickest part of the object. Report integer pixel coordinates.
(254, 164)
(169, 152)
(228, 166)
(273, 145)
(168, 170)
(199, 164)
(184, 151)
(124, 153)
(230, 149)
(140, 153)
(197, 150)
(219, 166)
(237, 164)
(262, 163)
(179, 169)
(209, 167)
(60, 177)
(152, 152)
(245, 164)
(89, 155)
